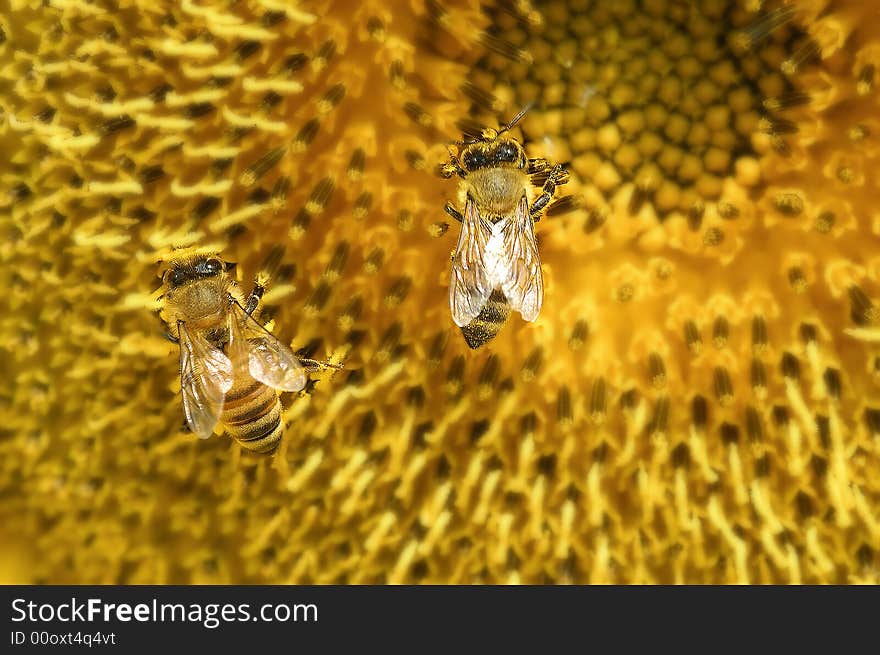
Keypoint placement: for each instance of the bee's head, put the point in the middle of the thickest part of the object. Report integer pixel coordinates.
(491, 149)
(181, 272)
(493, 153)
(194, 285)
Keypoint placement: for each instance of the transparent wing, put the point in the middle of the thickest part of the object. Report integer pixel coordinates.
(469, 286)
(205, 377)
(522, 282)
(268, 360)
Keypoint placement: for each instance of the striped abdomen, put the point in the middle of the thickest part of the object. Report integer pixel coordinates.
(488, 322)
(252, 414)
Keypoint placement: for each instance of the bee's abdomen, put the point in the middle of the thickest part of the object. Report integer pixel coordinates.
(252, 416)
(488, 322)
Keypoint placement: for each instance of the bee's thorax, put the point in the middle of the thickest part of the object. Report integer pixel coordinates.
(496, 191)
(203, 304)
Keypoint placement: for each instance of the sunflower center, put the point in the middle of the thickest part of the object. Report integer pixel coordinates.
(654, 102)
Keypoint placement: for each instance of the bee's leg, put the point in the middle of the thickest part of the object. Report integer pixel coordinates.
(309, 389)
(452, 211)
(268, 270)
(253, 300)
(452, 167)
(558, 176)
(538, 165)
(313, 365)
(166, 333)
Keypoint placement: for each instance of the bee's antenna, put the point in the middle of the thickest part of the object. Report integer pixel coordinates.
(490, 133)
(516, 119)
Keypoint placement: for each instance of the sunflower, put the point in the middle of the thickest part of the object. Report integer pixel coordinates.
(698, 401)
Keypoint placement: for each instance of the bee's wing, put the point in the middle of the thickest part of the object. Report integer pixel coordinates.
(469, 287)
(269, 361)
(522, 283)
(205, 377)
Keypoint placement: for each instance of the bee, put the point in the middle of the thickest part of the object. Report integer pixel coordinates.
(495, 266)
(231, 367)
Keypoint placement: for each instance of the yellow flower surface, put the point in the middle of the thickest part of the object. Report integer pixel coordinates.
(698, 402)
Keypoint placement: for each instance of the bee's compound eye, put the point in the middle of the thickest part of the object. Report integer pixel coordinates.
(176, 277)
(212, 266)
(507, 152)
(474, 160)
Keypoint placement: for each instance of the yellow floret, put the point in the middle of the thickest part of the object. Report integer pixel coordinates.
(698, 402)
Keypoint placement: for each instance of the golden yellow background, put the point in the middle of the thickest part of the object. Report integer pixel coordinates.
(698, 401)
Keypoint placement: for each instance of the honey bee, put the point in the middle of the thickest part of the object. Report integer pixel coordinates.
(231, 366)
(495, 266)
